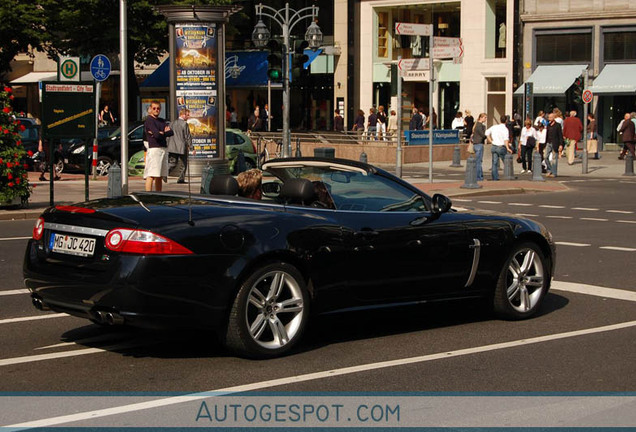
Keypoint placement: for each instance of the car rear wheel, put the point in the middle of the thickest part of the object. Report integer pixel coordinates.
(59, 166)
(103, 165)
(269, 313)
(523, 282)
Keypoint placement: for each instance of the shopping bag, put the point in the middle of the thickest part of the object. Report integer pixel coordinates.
(592, 146)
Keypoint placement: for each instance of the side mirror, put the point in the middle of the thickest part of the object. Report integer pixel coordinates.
(441, 204)
(271, 189)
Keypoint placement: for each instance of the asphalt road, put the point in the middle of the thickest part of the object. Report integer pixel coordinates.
(570, 346)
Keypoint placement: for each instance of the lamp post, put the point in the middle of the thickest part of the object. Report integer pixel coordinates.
(287, 19)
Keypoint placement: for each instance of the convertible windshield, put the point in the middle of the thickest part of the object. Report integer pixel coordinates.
(355, 190)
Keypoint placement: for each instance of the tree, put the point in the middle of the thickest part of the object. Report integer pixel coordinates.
(88, 27)
(21, 26)
(13, 175)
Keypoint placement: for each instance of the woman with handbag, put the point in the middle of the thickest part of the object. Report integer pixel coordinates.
(527, 141)
(592, 137)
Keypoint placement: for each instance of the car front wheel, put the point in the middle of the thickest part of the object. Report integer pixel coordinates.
(269, 313)
(523, 282)
(103, 165)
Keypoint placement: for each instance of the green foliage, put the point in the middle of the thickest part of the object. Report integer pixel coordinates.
(13, 175)
(21, 25)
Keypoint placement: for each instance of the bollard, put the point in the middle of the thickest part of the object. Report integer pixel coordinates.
(537, 167)
(509, 168)
(114, 181)
(240, 162)
(363, 157)
(629, 165)
(457, 158)
(298, 152)
(206, 176)
(470, 180)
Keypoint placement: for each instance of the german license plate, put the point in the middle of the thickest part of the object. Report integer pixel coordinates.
(72, 245)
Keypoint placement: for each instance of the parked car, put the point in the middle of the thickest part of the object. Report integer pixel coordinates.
(235, 141)
(329, 235)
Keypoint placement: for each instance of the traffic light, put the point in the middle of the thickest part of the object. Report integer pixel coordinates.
(299, 59)
(274, 62)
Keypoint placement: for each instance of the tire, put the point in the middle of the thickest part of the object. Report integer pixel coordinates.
(270, 312)
(59, 166)
(103, 165)
(523, 282)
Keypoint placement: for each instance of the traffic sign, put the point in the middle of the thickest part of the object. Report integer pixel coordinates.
(411, 29)
(414, 64)
(69, 68)
(100, 67)
(587, 96)
(447, 41)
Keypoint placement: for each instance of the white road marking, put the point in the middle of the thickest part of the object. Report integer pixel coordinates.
(595, 219)
(616, 248)
(626, 221)
(520, 204)
(105, 412)
(14, 292)
(489, 202)
(584, 208)
(527, 214)
(619, 211)
(33, 318)
(560, 217)
(594, 290)
(461, 200)
(573, 244)
(552, 206)
(14, 238)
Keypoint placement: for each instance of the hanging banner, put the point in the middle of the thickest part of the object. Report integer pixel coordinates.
(196, 84)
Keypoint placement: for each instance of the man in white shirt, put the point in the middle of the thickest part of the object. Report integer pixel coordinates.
(500, 138)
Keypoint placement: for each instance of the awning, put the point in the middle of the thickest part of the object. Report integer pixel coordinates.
(35, 77)
(616, 79)
(553, 80)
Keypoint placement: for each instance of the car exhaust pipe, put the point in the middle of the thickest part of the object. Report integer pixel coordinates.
(113, 318)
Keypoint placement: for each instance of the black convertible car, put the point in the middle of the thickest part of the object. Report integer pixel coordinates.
(328, 235)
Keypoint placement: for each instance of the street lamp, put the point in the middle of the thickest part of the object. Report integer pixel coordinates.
(287, 19)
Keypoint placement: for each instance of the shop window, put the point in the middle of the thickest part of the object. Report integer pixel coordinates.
(619, 45)
(383, 34)
(496, 26)
(563, 47)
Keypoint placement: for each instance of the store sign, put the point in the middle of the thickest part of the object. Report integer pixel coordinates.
(196, 84)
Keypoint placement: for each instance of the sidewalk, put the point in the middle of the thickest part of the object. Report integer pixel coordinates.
(70, 189)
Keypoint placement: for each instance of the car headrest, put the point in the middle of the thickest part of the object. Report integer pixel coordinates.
(223, 184)
(297, 191)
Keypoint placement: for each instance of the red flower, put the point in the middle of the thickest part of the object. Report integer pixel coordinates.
(18, 143)
(10, 184)
(11, 97)
(1, 161)
(26, 166)
(22, 128)
(30, 153)
(7, 89)
(10, 176)
(5, 131)
(17, 181)
(9, 165)
(7, 110)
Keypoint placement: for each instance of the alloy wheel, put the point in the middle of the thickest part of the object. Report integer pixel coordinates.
(525, 280)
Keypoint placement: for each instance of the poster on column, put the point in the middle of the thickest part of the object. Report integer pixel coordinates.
(196, 84)
(202, 121)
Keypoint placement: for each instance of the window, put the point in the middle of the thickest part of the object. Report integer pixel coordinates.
(496, 99)
(496, 28)
(562, 47)
(619, 45)
(383, 34)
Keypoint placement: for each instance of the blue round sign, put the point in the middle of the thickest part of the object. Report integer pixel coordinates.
(100, 67)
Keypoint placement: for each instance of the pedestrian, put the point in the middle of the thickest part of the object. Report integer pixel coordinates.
(500, 138)
(558, 116)
(233, 118)
(527, 142)
(249, 183)
(469, 123)
(106, 117)
(629, 134)
(592, 136)
(510, 124)
(554, 143)
(254, 121)
(416, 120)
(372, 124)
(541, 137)
(539, 120)
(479, 140)
(358, 124)
(433, 118)
(458, 121)
(381, 123)
(338, 121)
(572, 132)
(45, 159)
(157, 131)
(392, 125)
(265, 118)
(180, 144)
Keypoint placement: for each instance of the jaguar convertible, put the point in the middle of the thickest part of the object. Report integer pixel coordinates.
(328, 235)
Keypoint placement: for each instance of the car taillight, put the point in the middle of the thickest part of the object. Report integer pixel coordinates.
(143, 243)
(74, 209)
(38, 229)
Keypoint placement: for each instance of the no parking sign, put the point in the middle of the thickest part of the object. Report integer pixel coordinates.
(587, 96)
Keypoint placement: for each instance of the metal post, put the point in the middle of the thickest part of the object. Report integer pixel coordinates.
(286, 99)
(123, 88)
(431, 83)
(98, 92)
(470, 180)
(629, 165)
(585, 155)
(398, 155)
(269, 104)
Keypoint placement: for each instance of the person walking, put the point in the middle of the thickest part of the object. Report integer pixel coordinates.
(592, 136)
(372, 124)
(479, 140)
(469, 123)
(358, 124)
(180, 144)
(338, 121)
(527, 142)
(381, 123)
(500, 138)
(416, 120)
(554, 143)
(392, 125)
(629, 134)
(541, 137)
(254, 122)
(572, 130)
(157, 131)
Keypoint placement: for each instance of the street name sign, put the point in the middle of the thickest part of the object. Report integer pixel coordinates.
(411, 29)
